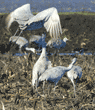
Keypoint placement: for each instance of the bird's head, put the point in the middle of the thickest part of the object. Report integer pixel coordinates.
(65, 39)
(74, 60)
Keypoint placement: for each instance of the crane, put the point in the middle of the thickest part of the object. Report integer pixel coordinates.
(53, 43)
(22, 42)
(74, 73)
(54, 74)
(57, 44)
(41, 65)
(48, 18)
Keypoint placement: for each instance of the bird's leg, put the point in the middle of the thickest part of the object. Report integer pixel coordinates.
(55, 54)
(54, 95)
(48, 88)
(54, 92)
(15, 34)
(36, 86)
(20, 32)
(33, 88)
(54, 89)
(20, 50)
(57, 51)
(74, 91)
(16, 31)
(74, 88)
(58, 56)
(37, 89)
(43, 86)
(77, 80)
(53, 59)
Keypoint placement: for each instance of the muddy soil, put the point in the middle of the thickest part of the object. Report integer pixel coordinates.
(16, 91)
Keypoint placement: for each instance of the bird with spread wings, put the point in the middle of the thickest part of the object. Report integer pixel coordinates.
(48, 18)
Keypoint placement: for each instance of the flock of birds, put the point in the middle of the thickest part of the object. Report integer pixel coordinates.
(49, 19)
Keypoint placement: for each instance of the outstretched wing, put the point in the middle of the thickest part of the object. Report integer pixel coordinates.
(21, 15)
(51, 21)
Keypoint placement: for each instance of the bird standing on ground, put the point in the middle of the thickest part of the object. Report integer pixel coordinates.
(48, 18)
(41, 65)
(74, 73)
(22, 42)
(53, 43)
(57, 44)
(54, 74)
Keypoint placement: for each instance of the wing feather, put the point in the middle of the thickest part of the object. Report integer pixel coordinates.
(57, 30)
(54, 31)
(60, 29)
(51, 34)
(49, 26)
(21, 15)
(51, 21)
(50, 18)
(52, 28)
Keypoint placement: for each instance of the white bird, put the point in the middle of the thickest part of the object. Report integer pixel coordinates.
(37, 39)
(57, 44)
(41, 65)
(53, 43)
(54, 74)
(48, 18)
(22, 42)
(74, 73)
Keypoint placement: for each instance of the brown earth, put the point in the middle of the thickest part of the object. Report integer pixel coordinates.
(16, 91)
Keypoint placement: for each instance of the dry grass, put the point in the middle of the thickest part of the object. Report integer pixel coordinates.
(17, 92)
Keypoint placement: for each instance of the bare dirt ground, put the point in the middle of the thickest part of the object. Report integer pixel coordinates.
(16, 91)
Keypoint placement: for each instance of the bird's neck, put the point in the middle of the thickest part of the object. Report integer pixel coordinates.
(43, 47)
(70, 66)
(43, 44)
(43, 52)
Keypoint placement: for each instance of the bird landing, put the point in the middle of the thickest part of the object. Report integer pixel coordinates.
(49, 19)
